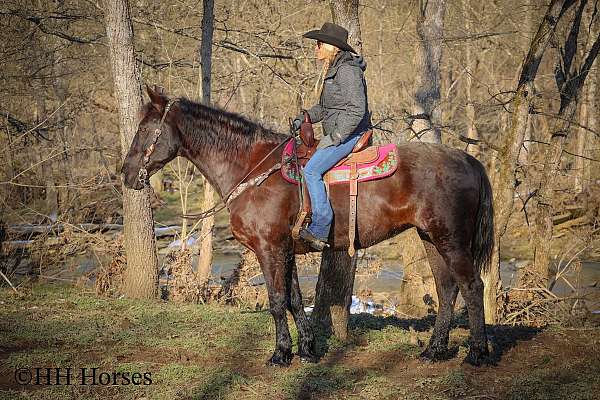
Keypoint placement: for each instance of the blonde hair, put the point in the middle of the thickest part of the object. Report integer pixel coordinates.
(331, 52)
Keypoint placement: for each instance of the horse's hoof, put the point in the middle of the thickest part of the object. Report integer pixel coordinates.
(280, 359)
(308, 358)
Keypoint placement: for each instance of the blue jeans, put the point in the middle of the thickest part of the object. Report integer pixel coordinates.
(321, 162)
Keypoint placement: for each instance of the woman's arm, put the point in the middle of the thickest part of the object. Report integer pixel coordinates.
(316, 114)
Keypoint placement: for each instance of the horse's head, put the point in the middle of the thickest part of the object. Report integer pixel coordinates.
(156, 142)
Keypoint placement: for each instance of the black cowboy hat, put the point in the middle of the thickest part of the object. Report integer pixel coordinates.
(332, 34)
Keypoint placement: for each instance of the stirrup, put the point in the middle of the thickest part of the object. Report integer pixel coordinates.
(312, 240)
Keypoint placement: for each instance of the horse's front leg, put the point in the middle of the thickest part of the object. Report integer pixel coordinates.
(273, 262)
(306, 339)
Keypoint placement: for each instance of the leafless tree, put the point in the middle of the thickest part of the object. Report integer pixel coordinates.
(417, 290)
(141, 275)
(336, 276)
(205, 247)
(570, 79)
(504, 179)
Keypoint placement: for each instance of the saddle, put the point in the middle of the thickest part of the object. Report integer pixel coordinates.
(364, 163)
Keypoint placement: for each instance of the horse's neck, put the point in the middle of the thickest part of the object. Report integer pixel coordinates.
(223, 171)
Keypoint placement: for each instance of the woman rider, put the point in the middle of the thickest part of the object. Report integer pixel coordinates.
(344, 113)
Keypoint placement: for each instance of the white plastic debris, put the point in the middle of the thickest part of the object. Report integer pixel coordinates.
(177, 243)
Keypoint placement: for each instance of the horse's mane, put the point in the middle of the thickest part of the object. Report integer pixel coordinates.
(214, 129)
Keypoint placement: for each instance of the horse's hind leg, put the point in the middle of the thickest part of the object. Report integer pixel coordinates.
(273, 262)
(447, 290)
(306, 341)
(471, 288)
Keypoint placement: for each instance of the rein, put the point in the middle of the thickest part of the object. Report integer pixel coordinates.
(239, 187)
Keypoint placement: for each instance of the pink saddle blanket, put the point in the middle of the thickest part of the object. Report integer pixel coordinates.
(384, 165)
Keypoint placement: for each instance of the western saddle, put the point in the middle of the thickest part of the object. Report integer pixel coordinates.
(362, 152)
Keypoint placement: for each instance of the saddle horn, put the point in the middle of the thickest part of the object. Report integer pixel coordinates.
(307, 134)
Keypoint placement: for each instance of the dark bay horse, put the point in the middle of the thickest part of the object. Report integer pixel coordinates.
(443, 192)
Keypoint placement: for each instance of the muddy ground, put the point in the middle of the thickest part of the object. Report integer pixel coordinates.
(219, 352)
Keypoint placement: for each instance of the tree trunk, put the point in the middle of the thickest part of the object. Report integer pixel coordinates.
(345, 13)
(417, 290)
(507, 158)
(418, 296)
(581, 164)
(336, 276)
(426, 99)
(205, 248)
(586, 141)
(470, 66)
(570, 83)
(523, 159)
(141, 276)
(334, 293)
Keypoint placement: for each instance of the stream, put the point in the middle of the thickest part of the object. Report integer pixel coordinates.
(384, 283)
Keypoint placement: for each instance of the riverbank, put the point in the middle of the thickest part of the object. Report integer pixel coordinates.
(218, 352)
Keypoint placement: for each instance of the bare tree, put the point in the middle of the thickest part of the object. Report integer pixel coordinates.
(205, 247)
(504, 179)
(141, 275)
(470, 67)
(569, 80)
(426, 99)
(336, 275)
(588, 116)
(417, 290)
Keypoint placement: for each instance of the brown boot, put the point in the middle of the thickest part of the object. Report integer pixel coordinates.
(312, 240)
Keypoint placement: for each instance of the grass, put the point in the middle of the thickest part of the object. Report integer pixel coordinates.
(215, 352)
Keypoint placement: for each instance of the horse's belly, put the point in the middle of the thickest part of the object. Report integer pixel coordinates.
(384, 209)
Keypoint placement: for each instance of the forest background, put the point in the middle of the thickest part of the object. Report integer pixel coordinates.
(60, 130)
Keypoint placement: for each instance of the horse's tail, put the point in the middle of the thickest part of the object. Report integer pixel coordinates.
(482, 244)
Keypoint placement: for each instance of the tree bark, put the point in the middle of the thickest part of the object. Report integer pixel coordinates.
(345, 13)
(507, 158)
(334, 293)
(570, 81)
(418, 296)
(205, 247)
(581, 164)
(336, 276)
(141, 276)
(586, 141)
(417, 290)
(426, 99)
(470, 66)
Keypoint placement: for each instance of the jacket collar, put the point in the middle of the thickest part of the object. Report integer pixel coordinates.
(341, 58)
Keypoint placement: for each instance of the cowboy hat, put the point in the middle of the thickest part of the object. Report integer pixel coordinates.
(332, 34)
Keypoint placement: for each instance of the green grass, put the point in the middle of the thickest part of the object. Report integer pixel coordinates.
(217, 352)
(574, 382)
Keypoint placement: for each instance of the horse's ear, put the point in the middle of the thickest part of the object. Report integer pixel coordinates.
(157, 97)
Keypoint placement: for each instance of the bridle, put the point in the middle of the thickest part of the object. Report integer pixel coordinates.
(235, 191)
(143, 172)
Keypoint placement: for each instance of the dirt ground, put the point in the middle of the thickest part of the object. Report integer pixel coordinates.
(219, 352)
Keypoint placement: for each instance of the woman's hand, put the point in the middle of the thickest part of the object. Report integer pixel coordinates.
(296, 124)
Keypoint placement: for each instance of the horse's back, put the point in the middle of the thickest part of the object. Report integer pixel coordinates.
(433, 186)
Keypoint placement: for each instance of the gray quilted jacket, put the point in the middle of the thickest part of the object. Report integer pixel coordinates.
(342, 108)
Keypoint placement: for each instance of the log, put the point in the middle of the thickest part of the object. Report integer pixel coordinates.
(30, 229)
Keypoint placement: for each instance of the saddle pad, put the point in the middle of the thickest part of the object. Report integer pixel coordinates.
(382, 166)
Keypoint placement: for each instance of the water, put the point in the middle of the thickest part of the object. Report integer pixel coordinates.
(581, 281)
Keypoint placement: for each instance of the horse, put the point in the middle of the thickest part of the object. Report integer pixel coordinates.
(443, 192)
